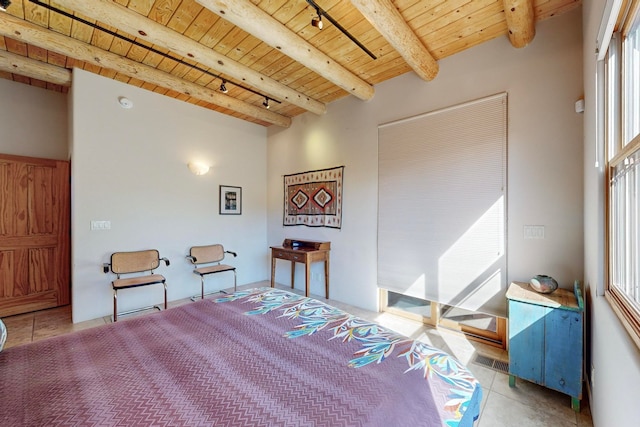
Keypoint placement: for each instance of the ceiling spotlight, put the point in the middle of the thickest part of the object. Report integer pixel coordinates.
(317, 22)
(266, 103)
(4, 4)
(223, 87)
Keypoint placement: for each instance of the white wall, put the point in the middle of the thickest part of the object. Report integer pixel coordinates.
(614, 359)
(33, 121)
(543, 82)
(130, 167)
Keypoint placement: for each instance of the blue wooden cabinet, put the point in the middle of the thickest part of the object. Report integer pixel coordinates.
(546, 338)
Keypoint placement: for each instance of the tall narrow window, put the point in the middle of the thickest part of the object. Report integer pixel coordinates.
(442, 206)
(623, 172)
(631, 78)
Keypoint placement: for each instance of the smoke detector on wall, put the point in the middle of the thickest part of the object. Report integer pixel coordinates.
(125, 102)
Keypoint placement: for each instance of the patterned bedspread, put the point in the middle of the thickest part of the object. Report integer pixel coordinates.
(262, 357)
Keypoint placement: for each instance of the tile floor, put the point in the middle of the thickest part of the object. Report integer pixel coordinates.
(523, 406)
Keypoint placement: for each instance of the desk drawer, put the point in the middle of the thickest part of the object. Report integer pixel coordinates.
(291, 256)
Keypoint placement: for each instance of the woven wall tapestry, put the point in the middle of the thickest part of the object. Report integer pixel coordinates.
(314, 198)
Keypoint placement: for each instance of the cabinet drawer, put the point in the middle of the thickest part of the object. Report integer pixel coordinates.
(291, 256)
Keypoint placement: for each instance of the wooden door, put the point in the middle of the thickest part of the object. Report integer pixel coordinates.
(34, 234)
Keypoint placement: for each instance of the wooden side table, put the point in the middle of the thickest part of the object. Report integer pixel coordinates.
(305, 252)
(546, 338)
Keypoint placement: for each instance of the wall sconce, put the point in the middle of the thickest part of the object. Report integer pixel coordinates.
(198, 168)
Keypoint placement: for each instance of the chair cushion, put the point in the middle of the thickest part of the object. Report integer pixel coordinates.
(138, 281)
(134, 262)
(213, 269)
(207, 254)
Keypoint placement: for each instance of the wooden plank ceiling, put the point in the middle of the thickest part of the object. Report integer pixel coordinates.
(263, 50)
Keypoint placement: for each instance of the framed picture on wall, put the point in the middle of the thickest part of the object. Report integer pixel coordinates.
(230, 200)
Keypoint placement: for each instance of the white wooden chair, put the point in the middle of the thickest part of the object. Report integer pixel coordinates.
(131, 263)
(207, 261)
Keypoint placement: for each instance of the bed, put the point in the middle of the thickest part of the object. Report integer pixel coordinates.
(258, 357)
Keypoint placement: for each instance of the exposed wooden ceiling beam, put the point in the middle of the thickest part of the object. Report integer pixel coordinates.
(386, 18)
(12, 63)
(26, 32)
(520, 21)
(244, 14)
(139, 26)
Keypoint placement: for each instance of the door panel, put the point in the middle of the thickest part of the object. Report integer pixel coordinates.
(34, 234)
(526, 338)
(563, 335)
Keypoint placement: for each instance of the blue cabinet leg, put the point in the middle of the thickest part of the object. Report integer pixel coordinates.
(512, 380)
(575, 404)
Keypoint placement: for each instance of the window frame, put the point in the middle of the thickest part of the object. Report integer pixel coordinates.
(620, 149)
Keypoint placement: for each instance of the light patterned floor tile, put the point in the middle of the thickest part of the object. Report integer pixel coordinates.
(528, 393)
(501, 411)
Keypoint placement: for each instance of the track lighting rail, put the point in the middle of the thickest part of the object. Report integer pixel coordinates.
(321, 12)
(151, 49)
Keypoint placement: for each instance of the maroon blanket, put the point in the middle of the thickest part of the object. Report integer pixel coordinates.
(262, 357)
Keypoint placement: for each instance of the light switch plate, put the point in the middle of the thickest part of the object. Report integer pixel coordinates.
(534, 231)
(101, 225)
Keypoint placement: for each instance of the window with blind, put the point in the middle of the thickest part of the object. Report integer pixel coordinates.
(622, 111)
(441, 206)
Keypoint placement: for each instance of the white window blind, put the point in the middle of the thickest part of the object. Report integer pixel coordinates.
(442, 205)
